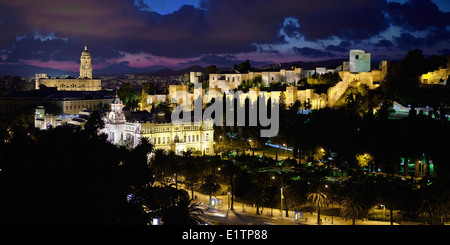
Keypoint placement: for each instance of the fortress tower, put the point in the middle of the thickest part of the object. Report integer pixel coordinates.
(359, 61)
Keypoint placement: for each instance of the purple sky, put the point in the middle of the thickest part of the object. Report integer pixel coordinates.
(178, 34)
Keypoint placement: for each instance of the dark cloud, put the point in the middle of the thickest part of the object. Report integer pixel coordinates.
(220, 26)
(312, 53)
(11, 25)
(345, 44)
(444, 51)
(111, 27)
(359, 20)
(335, 48)
(433, 37)
(46, 47)
(223, 60)
(436, 35)
(384, 44)
(407, 41)
(269, 49)
(418, 15)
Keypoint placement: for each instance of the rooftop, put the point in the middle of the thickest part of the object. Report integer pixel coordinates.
(53, 94)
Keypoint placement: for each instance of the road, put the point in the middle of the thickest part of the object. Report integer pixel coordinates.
(229, 217)
(245, 215)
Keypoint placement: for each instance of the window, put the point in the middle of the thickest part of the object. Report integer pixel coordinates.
(356, 57)
(159, 140)
(197, 137)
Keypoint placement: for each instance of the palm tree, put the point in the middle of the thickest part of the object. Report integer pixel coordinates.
(352, 208)
(136, 164)
(390, 193)
(257, 195)
(185, 212)
(192, 170)
(210, 186)
(358, 198)
(319, 198)
(231, 170)
(173, 206)
(435, 202)
(433, 208)
(158, 163)
(174, 164)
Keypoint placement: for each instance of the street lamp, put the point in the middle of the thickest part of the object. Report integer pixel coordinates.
(281, 202)
(281, 196)
(332, 200)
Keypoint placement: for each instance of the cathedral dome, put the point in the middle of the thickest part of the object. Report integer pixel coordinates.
(85, 52)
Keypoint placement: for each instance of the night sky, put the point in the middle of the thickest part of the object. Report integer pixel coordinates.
(179, 34)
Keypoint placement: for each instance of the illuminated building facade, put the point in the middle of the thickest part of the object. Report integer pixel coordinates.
(128, 128)
(84, 82)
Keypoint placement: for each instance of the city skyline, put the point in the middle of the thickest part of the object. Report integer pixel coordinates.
(355, 133)
(179, 34)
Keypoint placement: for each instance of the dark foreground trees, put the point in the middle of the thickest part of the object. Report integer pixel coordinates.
(62, 176)
(70, 176)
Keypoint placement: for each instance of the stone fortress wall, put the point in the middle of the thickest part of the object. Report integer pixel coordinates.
(352, 73)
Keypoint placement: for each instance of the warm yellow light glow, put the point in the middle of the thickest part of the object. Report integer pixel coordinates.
(364, 159)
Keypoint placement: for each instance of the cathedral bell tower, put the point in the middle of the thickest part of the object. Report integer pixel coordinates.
(85, 64)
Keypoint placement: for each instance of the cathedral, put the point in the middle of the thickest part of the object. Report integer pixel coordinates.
(84, 82)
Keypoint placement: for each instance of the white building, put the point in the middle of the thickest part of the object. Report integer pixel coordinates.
(43, 120)
(128, 130)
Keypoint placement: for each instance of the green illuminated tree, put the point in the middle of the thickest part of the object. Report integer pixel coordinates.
(128, 96)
